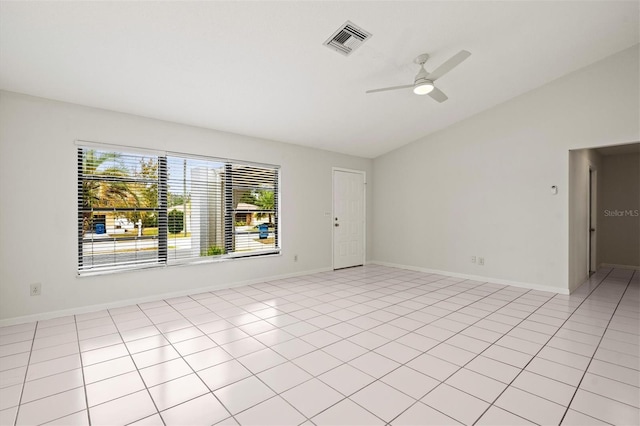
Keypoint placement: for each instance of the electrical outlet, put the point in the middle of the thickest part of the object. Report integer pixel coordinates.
(36, 289)
(473, 259)
(481, 261)
(295, 257)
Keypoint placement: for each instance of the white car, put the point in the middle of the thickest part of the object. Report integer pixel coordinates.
(123, 223)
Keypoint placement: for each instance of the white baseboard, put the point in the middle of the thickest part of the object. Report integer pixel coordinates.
(120, 303)
(475, 277)
(616, 266)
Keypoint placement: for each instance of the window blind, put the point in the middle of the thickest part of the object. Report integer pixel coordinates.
(137, 210)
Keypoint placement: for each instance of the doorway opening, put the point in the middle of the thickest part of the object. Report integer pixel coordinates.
(604, 210)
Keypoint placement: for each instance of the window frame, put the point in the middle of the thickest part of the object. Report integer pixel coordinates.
(163, 259)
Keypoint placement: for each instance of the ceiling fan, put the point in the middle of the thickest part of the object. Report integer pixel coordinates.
(423, 82)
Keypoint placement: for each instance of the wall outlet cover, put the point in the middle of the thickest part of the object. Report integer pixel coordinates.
(35, 289)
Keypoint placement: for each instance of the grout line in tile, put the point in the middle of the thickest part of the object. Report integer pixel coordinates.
(84, 383)
(26, 371)
(534, 356)
(316, 290)
(189, 365)
(139, 375)
(598, 346)
(521, 369)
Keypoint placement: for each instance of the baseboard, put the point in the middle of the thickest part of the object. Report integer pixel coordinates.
(616, 266)
(120, 303)
(475, 277)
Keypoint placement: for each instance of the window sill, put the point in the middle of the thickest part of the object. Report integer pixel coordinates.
(178, 263)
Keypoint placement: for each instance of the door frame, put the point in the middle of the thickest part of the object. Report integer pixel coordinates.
(333, 211)
(592, 207)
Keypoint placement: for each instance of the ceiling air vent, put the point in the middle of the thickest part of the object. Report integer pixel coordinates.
(347, 39)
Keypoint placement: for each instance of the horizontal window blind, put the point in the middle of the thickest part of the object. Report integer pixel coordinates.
(137, 210)
(252, 194)
(118, 209)
(195, 208)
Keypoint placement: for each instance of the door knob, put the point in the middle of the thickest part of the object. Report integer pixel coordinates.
(336, 224)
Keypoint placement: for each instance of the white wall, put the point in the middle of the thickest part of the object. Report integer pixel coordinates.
(580, 161)
(482, 187)
(38, 213)
(619, 229)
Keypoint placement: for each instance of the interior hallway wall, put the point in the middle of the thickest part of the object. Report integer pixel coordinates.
(619, 210)
(481, 187)
(580, 161)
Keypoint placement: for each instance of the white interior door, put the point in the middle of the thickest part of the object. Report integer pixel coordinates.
(348, 218)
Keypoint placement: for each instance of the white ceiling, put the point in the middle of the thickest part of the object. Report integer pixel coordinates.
(260, 69)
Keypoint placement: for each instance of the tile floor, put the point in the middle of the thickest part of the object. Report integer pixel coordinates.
(370, 345)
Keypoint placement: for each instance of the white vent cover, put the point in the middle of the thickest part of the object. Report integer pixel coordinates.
(347, 38)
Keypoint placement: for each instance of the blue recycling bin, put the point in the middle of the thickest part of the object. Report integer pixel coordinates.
(100, 228)
(263, 229)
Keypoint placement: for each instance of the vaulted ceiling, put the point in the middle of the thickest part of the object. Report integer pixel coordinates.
(260, 68)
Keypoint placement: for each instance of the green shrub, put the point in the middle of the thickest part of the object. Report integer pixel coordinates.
(213, 251)
(149, 220)
(175, 221)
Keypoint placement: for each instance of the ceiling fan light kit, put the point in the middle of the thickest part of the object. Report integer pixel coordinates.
(423, 83)
(423, 87)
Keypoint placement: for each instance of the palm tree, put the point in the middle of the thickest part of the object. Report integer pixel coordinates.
(265, 200)
(97, 192)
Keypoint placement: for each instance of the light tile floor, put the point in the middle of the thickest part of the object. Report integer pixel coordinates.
(369, 345)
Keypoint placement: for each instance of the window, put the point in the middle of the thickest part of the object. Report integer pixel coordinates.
(140, 210)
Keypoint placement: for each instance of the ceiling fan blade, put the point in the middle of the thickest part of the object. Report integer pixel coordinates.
(406, 86)
(450, 64)
(438, 95)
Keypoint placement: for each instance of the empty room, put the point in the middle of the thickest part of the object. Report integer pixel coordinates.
(319, 213)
